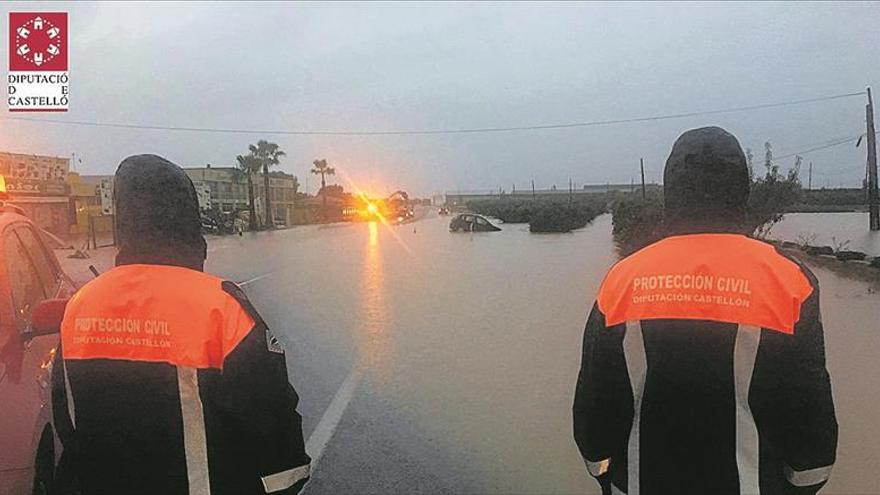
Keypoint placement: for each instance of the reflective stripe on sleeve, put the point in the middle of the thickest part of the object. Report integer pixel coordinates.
(637, 368)
(71, 408)
(195, 443)
(807, 477)
(598, 468)
(285, 479)
(745, 351)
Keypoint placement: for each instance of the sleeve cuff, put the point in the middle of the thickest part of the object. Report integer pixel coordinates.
(598, 468)
(807, 477)
(285, 479)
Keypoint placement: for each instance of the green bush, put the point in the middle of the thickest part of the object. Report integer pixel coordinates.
(636, 223)
(562, 217)
(770, 197)
(543, 215)
(507, 211)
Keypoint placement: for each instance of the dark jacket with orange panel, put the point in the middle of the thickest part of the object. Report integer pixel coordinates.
(175, 385)
(704, 372)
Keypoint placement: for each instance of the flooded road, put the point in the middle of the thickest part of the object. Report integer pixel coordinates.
(436, 362)
(851, 317)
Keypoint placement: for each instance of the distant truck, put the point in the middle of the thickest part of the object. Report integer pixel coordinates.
(395, 208)
(399, 206)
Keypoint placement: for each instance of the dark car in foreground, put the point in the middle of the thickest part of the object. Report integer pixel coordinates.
(469, 222)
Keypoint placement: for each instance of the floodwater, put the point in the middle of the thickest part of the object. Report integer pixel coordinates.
(435, 362)
(844, 230)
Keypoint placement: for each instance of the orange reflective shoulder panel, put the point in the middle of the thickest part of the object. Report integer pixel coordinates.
(154, 313)
(717, 277)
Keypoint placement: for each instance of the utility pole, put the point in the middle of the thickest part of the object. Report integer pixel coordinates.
(873, 198)
(810, 178)
(533, 189)
(569, 190)
(642, 165)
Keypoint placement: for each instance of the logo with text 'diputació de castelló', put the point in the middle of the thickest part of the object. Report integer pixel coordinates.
(38, 49)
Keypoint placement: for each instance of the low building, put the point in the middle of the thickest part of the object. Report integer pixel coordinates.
(227, 185)
(228, 191)
(38, 185)
(282, 197)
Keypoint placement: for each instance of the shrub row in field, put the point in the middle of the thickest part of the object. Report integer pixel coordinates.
(507, 211)
(542, 216)
(562, 218)
(636, 222)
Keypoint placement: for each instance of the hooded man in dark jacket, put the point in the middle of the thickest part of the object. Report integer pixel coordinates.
(703, 357)
(172, 383)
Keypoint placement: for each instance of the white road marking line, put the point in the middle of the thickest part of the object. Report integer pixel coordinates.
(326, 427)
(322, 434)
(247, 282)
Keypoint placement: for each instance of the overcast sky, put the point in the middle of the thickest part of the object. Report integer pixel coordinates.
(411, 66)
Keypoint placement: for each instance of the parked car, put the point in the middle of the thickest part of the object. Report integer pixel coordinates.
(443, 211)
(469, 222)
(29, 275)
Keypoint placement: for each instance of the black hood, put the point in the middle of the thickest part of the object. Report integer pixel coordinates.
(706, 183)
(157, 214)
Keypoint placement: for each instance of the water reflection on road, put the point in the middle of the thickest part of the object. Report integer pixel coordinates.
(487, 330)
(376, 344)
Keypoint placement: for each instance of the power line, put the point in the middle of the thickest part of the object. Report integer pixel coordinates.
(829, 144)
(122, 125)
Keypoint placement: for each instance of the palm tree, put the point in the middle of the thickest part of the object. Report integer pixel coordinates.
(322, 169)
(249, 165)
(269, 155)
